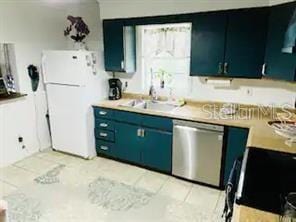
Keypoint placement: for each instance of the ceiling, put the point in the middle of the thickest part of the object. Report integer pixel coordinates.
(267, 2)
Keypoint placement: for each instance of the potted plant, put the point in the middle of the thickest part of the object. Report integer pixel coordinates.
(77, 30)
(163, 76)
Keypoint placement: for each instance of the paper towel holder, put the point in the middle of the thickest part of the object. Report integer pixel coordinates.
(209, 79)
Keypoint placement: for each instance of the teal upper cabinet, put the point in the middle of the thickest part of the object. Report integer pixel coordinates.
(280, 65)
(119, 46)
(136, 138)
(229, 43)
(207, 44)
(113, 45)
(245, 42)
(157, 150)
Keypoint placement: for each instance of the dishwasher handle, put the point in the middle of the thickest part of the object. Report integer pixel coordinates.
(188, 128)
(199, 125)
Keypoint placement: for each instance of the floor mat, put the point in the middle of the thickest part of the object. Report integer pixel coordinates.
(49, 198)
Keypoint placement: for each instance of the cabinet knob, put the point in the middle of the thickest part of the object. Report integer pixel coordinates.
(264, 69)
(220, 68)
(122, 65)
(103, 134)
(104, 148)
(103, 113)
(225, 68)
(103, 125)
(139, 132)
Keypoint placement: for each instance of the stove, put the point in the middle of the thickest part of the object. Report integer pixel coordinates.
(266, 179)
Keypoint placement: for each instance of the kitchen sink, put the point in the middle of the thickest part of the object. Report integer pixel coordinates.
(156, 105)
(151, 105)
(132, 103)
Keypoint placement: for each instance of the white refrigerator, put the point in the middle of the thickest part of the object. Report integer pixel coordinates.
(74, 81)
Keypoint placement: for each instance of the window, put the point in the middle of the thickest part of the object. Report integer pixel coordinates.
(7, 66)
(166, 55)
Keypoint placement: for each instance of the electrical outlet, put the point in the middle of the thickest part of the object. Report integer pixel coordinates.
(20, 139)
(125, 86)
(249, 92)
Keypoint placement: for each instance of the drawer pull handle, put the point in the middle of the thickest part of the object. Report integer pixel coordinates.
(104, 148)
(103, 134)
(103, 113)
(103, 125)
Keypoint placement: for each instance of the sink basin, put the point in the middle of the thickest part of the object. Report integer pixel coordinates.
(150, 105)
(155, 105)
(132, 103)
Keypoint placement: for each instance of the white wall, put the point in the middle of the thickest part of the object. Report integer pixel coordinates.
(263, 92)
(31, 27)
(91, 15)
(34, 26)
(245, 91)
(140, 8)
(276, 2)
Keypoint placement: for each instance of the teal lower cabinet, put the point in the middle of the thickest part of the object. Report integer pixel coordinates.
(146, 140)
(128, 142)
(157, 150)
(104, 132)
(135, 138)
(144, 146)
(236, 145)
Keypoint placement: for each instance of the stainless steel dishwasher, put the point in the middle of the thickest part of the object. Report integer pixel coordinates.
(197, 151)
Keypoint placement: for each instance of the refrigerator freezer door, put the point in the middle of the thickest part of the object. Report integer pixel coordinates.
(65, 67)
(70, 119)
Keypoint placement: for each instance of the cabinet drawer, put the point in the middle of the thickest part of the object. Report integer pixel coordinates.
(104, 135)
(128, 117)
(105, 148)
(105, 124)
(158, 123)
(103, 113)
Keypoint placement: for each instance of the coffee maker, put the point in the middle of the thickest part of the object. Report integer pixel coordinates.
(115, 88)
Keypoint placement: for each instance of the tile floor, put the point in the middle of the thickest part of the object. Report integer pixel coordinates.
(187, 196)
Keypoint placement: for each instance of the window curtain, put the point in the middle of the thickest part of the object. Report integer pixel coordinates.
(167, 42)
(166, 55)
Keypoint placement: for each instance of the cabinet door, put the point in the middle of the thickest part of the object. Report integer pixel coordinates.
(280, 65)
(236, 145)
(128, 143)
(157, 150)
(113, 45)
(207, 44)
(245, 42)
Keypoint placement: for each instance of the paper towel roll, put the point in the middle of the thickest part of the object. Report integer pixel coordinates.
(219, 82)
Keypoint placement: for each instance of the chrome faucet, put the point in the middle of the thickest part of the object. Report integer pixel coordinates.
(152, 93)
